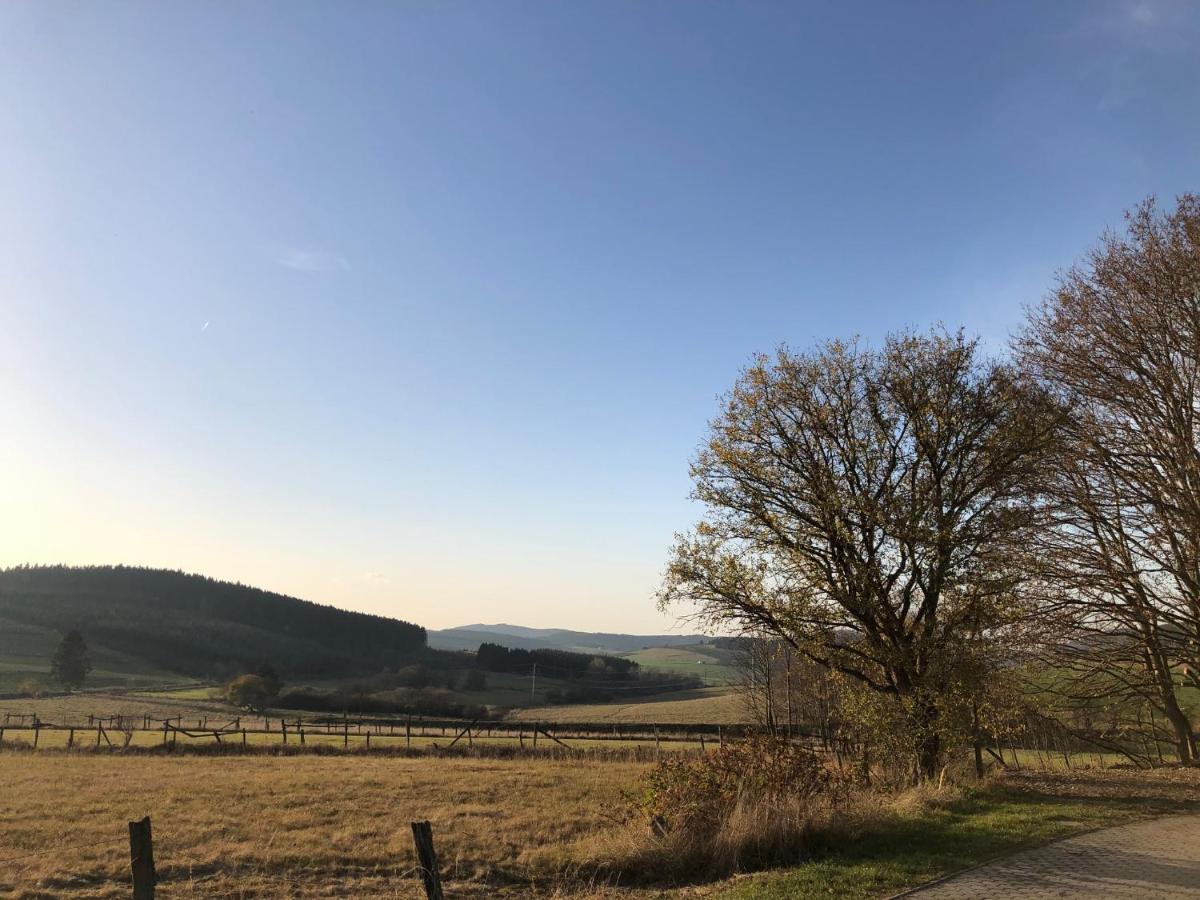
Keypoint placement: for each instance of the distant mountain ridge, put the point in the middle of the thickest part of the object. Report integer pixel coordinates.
(469, 637)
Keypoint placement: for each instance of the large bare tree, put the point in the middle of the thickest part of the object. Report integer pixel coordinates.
(865, 507)
(1119, 342)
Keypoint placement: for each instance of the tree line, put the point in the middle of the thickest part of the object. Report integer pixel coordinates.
(554, 663)
(953, 543)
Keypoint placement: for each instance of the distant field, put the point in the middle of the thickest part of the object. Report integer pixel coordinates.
(706, 662)
(199, 692)
(714, 705)
(77, 707)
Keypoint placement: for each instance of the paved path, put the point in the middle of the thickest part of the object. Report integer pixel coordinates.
(1157, 858)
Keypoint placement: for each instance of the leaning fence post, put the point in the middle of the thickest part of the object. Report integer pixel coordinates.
(427, 860)
(141, 859)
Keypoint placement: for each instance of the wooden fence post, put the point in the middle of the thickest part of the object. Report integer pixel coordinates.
(141, 859)
(427, 859)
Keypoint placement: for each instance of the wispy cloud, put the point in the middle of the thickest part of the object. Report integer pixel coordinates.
(373, 577)
(1122, 37)
(312, 261)
(1149, 26)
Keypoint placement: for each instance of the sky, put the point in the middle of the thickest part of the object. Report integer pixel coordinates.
(421, 308)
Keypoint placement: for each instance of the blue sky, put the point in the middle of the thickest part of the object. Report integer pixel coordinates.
(421, 308)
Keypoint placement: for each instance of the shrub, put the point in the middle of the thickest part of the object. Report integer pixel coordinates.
(252, 692)
(405, 701)
(749, 804)
(698, 795)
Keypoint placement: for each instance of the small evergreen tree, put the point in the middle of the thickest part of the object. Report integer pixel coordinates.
(71, 663)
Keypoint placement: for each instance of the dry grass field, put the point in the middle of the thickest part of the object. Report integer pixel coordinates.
(304, 826)
(715, 706)
(338, 826)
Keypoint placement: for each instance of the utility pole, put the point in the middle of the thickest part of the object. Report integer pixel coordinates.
(533, 683)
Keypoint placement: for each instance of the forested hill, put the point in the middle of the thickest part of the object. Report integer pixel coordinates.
(199, 626)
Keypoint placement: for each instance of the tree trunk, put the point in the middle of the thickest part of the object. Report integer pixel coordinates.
(928, 756)
(1160, 670)
(1185, 738)
(977, 742)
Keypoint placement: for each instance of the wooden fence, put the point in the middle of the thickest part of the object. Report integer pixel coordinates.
(409, 732)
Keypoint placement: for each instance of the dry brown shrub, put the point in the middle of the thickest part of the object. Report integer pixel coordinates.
(745, 806)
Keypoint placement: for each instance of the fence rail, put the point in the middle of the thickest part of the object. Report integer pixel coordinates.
(408, 732)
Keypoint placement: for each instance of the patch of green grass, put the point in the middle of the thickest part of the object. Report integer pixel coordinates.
(194, 692)
(903, 851)
(710, 664)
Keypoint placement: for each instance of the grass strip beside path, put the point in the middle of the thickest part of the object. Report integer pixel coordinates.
(905, 850)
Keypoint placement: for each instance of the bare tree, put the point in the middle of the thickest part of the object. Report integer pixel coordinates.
(863, 506)
(1119, 342)
(757, 677)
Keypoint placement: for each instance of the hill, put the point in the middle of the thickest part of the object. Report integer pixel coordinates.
(469, 637)
(188, 624)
